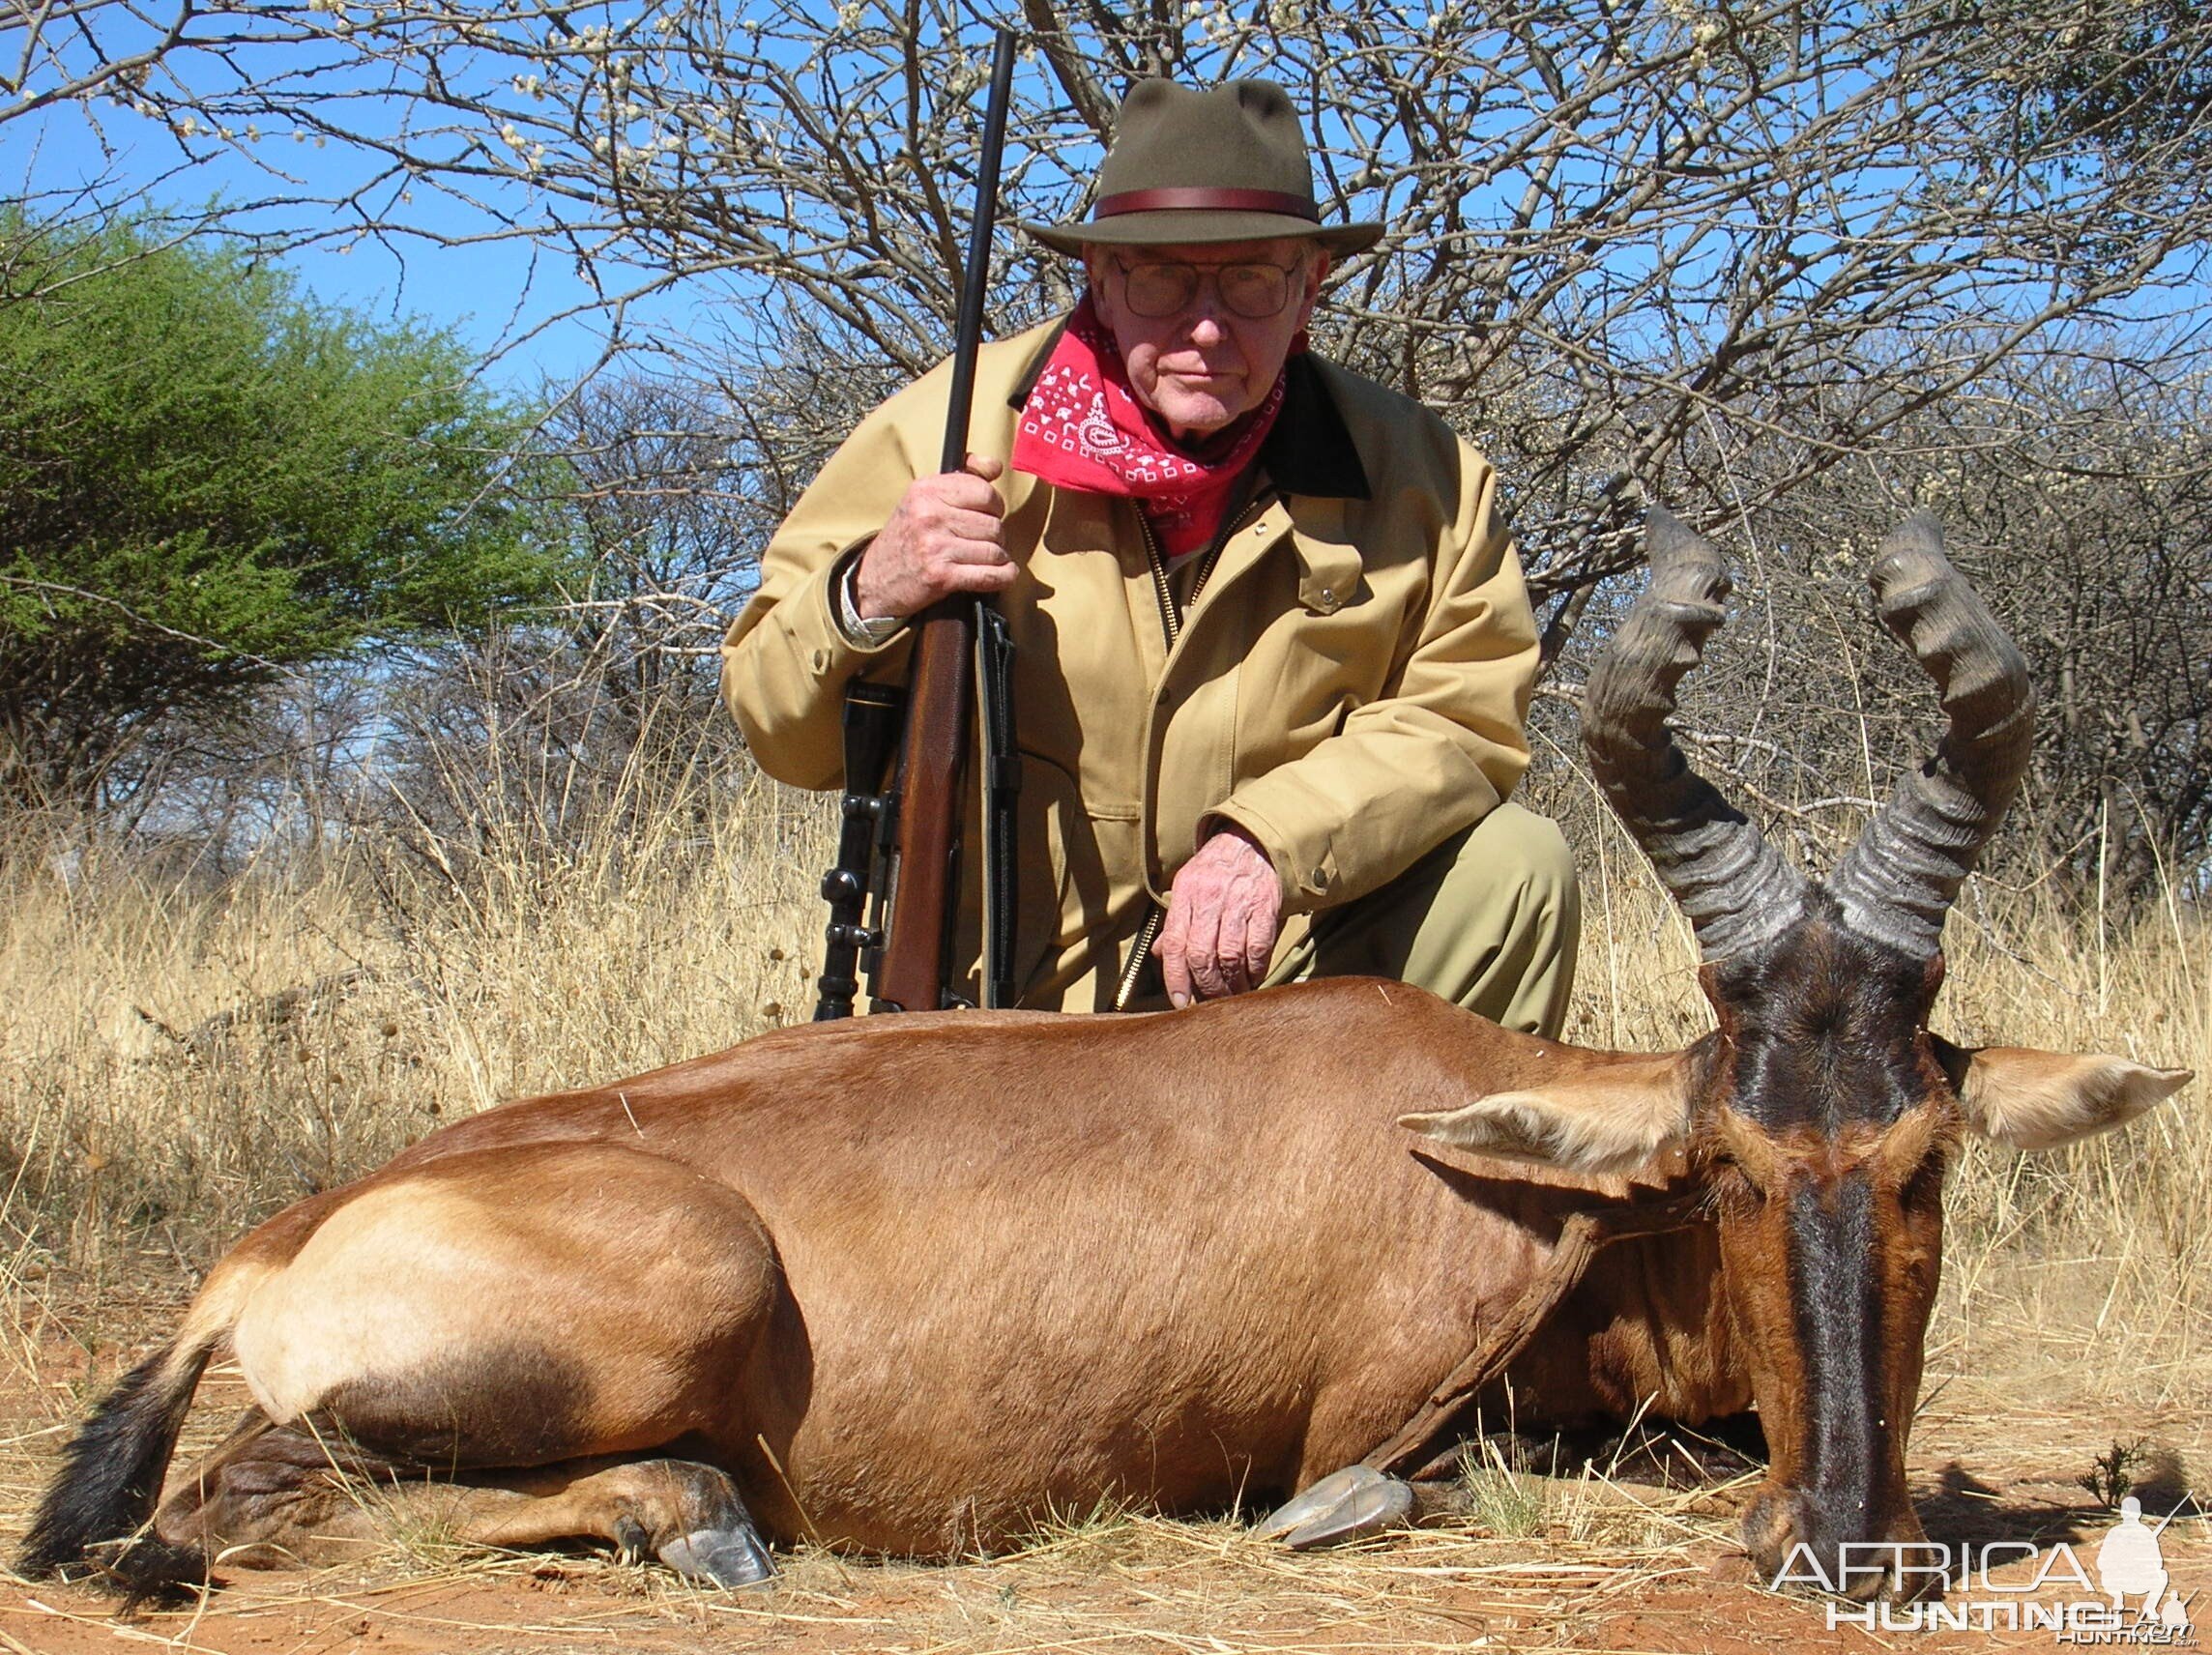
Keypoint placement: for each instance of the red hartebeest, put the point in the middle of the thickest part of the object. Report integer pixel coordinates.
(911, 1284)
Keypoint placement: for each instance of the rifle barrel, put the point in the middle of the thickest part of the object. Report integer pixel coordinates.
(975, 276)
(916, 969)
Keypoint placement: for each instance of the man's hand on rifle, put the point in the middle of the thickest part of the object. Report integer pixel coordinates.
(946, 536)
(1224, 910)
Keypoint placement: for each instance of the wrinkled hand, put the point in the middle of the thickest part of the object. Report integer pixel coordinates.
(1223, 913)
(946, 536)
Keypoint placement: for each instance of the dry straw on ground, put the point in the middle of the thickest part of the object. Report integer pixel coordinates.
(181, 1054)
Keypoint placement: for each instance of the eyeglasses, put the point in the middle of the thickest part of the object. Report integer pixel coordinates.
(1252, 291)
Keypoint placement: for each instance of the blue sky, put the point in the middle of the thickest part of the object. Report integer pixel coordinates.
(505, 299)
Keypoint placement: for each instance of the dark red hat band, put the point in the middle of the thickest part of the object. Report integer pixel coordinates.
(1204, 199)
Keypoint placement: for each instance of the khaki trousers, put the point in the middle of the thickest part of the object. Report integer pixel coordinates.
(1491, 918)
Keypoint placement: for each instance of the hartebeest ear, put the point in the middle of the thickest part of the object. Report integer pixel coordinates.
(2039, 1100)
(1608, 1118)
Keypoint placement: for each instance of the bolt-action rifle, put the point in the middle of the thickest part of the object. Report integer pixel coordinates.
(898, 850)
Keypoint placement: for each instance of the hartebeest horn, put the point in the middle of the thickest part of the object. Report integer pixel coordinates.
(1898, 881)
(1735, 889)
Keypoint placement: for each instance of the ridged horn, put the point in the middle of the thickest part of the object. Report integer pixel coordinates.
(1898, 881)
(1735, 889)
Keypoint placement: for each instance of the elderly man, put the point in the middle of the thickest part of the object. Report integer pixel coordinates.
(1272, 646)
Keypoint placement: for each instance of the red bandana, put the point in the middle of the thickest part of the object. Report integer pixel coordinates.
(1083, 428)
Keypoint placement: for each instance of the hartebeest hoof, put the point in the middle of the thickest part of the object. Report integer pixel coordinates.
(711, 1540)
(727, 1557)
(1345, 1505)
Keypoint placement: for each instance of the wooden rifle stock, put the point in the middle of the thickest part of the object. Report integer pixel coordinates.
(918, 940)
(915, 965)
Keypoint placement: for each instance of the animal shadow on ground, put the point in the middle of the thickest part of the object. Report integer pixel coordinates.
(2164, 1487)
(1965, 1511)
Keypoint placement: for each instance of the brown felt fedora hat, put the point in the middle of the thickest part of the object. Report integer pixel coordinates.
(1225, 165)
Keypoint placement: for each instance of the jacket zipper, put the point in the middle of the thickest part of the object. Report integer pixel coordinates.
(1171, 624)
(1147, 934)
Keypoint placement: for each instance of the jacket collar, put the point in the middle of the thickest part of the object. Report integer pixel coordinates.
(1310, 450)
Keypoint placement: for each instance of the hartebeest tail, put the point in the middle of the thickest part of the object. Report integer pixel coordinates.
(112, 1470)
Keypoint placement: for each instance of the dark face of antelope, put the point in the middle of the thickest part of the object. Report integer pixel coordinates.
(1823, 1119)
(1823, 1138)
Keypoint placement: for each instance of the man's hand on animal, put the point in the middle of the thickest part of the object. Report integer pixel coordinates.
(947, 536)
(1223, 913)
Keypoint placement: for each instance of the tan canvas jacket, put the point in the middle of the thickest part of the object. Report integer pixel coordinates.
(1349, 687)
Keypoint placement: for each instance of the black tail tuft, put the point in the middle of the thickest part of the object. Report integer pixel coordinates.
(112, 1476)
(153, 1570)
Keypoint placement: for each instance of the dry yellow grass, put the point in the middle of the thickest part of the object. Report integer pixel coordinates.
(183, 1055)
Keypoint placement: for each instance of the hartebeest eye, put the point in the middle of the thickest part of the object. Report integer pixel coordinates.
(1736, 1196)
(1734, 1193)
(1923, 1185)
(1744, 1166)
(1915, 1151)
